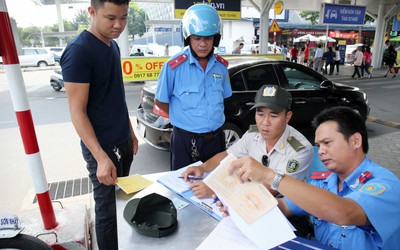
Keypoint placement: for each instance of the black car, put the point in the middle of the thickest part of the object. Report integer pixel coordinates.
(311, 93)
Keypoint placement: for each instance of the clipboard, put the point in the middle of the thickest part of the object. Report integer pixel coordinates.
(177, 185)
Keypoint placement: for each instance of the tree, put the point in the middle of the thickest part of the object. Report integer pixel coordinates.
(312, 16)
(81, 20)
(136, 19)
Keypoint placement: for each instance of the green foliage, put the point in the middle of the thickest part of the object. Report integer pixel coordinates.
(32, 35)
(312, 16)
(136, 19)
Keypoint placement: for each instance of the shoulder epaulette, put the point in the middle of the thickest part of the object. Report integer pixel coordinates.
(296, 145)
(221, 60)
(320, 175)
(173, 63)
(253, 128)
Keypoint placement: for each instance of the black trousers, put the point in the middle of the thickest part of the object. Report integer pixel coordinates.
(104, 196)
(182, 143)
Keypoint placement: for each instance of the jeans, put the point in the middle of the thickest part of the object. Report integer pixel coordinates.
(104, 196)
(365, 67)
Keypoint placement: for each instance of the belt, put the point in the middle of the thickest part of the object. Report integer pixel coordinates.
(206, 136)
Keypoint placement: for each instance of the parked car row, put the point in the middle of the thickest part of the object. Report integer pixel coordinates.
(311, 93)
(35, 57)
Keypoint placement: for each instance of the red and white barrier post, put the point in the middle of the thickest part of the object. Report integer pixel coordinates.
(24, 117)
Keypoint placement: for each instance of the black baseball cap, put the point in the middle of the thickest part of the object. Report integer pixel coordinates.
(273, 97)
(153, 215)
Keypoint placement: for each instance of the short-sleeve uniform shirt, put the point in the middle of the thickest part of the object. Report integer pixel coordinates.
(293, 158)
(195, 97)
(377, 191)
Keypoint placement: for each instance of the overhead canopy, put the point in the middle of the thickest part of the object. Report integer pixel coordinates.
(326, 38)
(306, 38)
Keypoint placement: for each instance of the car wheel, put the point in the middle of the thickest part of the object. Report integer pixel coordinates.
(23, 241)
(57, 88)
(232, 134)
(42, 64)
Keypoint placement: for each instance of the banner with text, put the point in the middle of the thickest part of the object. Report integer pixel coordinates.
(343, 14)
(227, 9)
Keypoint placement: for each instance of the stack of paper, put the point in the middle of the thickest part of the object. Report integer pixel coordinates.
(175, 183)
(251, 206)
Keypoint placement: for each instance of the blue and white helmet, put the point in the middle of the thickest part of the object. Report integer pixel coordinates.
(201, 20)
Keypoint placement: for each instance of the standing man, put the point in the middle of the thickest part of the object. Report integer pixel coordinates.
(91, 67)
(271, 142)
(318, 58)
(357, 205)
(238, 49)
(294, 53)
(284, 52)
(192, 87)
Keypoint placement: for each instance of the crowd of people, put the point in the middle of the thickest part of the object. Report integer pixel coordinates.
(326, 61)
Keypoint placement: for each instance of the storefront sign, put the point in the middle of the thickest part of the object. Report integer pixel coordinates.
(343, 14)
(227, 9)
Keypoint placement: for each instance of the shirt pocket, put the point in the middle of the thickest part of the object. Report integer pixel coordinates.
(189, 97)
(217, 90)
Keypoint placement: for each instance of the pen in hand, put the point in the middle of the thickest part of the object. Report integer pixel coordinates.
(191, 178)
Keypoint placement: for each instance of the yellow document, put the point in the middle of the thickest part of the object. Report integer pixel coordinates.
(250, 199)
(133, 183)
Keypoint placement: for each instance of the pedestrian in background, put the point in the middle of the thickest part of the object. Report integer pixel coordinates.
(284, 52)
(238, 49)
(166, 50)
(318, 58)
(192, 87)
(337, 59)
(329, 58)
(391, 59)
(306, 55)
(366, 62)
(357, 62)
(294, 53)
(301, 56)
(91, 68)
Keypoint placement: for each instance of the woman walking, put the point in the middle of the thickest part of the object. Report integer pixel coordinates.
(390, 60)
(367, 62)
(358, 59)
(337, 59)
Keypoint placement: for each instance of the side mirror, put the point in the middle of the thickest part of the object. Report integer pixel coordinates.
(326, 84)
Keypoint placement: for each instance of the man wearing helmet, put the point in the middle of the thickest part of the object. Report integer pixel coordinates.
(192, 87)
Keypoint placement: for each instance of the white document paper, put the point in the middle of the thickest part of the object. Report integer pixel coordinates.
(226, 235)
(173, 181)
(268, 230)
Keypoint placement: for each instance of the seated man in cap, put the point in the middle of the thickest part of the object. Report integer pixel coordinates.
(357, 205)
(272, 142)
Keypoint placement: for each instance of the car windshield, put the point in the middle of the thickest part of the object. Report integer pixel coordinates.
(298, 79)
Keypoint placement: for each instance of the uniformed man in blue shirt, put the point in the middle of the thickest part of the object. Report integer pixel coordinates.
(192, 87)
(357, 205)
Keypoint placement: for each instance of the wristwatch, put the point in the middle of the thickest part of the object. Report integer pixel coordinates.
(277, 179)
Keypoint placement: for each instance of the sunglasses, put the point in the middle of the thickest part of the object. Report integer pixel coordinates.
(265, 160)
